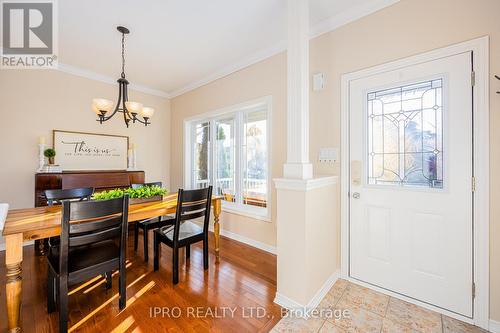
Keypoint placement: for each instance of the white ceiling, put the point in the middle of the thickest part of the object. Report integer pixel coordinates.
(177, 45)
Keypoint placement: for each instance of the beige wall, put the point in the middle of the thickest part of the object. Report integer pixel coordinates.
(404, 29)
(34, 102)
(407, 28)
(266, 78)
(305, 235)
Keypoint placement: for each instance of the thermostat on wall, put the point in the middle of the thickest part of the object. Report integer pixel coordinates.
(318, 82)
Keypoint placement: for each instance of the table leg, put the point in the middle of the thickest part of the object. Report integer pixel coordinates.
(217, 211)
(13, 287)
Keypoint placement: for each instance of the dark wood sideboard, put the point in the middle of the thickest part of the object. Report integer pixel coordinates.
(99, 180)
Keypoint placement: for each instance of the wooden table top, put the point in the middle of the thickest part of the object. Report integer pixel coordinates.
(43, 222)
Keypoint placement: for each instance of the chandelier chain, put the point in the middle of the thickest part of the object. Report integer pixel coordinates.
(123, 55)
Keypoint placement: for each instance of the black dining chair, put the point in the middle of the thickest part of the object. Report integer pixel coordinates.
(93, 242)
(74, 194)
(55, 197)
(149, 224)
(192, 204)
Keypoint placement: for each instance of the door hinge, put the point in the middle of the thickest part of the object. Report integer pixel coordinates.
(473, 78)
(473, 184)
(473, 290)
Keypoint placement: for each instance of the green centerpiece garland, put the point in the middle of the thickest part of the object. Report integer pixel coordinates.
(143, 192)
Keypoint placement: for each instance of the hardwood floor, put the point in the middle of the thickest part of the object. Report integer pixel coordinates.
(243, 281)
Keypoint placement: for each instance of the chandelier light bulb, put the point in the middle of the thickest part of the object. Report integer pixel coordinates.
(147, 112)
(133, 107)
(101, 104)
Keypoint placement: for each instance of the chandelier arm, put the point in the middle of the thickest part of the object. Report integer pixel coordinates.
(126, 114)
(142, 122)
(117, 107)
(106, 118)
(125, 99)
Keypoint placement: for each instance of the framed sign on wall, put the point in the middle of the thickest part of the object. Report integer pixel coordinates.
(78, 151)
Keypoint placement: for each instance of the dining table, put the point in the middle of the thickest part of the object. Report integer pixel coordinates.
(24, 225)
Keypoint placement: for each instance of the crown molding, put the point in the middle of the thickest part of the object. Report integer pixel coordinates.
(318, 29)
(77, 71)
(348, 16)
(81, 72)
(253, 59)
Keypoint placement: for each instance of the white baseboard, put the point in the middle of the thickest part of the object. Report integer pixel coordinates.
(246, 240)
(286, 302)
(494, 326)
(2, 245)
(314, 302)
(290, 304)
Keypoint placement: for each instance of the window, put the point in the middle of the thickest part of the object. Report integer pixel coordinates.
(405, 135)
(230, 151)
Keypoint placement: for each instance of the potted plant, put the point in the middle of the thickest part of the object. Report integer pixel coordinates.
(50, 154)
(137, 195)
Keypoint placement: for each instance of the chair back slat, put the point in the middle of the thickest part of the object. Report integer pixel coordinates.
(134, 186)
(76, 194)
(87, 210)
(189, 207)
(192, 216)
(94, 237)
(192, 204)
(78, 228)
(195, 195)
(87, 222)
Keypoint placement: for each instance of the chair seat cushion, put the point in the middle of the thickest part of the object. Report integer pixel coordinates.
(85, 256)
(187, 229)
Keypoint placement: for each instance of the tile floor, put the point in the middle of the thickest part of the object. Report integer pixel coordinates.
(371, 311)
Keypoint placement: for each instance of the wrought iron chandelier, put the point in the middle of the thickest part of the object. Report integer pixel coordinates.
(132, 111)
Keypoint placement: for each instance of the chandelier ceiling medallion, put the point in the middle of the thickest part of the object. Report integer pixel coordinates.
(132, 111)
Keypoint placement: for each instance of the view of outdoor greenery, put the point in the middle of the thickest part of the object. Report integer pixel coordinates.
(252, 153)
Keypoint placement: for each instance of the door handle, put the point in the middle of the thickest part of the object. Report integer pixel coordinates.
(356, 195)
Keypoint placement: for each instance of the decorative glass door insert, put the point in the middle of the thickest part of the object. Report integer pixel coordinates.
(405, 135)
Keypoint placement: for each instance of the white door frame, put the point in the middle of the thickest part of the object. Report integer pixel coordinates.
(480, 49)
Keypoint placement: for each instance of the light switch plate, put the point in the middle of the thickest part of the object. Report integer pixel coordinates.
(328, 155)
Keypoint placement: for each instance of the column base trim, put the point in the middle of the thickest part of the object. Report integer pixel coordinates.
(304, 184)
(298, 170)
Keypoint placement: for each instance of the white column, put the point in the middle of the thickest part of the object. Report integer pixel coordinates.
(297, 164)
(306, 206)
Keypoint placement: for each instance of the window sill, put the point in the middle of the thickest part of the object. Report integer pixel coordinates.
(257, 214)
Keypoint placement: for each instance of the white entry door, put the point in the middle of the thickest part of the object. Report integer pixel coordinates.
(411, 199)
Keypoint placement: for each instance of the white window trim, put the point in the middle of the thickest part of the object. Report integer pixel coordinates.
(263, 214)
